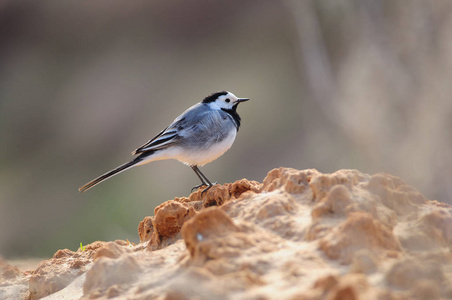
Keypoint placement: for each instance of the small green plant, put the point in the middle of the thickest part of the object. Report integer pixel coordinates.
(83, 248)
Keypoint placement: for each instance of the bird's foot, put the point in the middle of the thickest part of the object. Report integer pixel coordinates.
(208, 186)
(198, 186)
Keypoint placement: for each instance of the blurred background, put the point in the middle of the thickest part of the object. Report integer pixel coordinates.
(333, 84)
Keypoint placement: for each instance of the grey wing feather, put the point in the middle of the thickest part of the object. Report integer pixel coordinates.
(165, 138)
(176, 132)
(141, 149)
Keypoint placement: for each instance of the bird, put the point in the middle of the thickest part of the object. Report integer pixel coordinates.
(201, 134)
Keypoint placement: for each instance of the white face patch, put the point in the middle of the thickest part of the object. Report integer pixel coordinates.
(224, 101)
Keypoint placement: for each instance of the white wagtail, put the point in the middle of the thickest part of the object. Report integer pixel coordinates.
(198, 136)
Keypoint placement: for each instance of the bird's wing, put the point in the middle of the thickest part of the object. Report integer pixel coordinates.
(181, 129)
(167, 137)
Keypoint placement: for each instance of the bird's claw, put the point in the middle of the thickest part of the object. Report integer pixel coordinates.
(197, 187)
(208, 186)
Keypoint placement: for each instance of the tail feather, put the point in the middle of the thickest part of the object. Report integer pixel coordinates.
(109, 174)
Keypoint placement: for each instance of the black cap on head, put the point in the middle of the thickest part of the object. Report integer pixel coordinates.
(214, 96)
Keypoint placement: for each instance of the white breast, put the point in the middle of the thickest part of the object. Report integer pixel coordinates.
(201, 157)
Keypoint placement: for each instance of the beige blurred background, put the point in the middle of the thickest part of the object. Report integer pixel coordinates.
(334, 84)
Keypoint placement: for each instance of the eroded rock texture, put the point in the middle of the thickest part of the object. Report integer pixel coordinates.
(300, 234)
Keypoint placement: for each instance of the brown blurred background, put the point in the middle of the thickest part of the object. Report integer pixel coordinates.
(334, 84)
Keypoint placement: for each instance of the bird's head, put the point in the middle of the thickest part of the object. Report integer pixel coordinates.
(223, 100)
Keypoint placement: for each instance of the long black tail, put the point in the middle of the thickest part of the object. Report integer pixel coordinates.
(107, 175)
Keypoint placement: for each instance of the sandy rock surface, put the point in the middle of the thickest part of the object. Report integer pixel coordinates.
(300, 234)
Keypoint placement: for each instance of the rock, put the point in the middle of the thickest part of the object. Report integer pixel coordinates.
(107, 275)
(13, 282)
(146, 229)
(111, 250)
(8, 272)
(300, 234)
(168, 221)
(290, 180)
(364, 261)
(359, 231)
(407, 272)
(56, 273)
(203, 233)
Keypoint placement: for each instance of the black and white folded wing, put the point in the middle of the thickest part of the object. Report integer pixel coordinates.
(166, 138)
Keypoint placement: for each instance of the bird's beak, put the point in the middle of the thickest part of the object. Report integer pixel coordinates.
(242, 100)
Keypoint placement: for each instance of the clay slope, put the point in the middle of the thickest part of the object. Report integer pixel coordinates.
(300, 234)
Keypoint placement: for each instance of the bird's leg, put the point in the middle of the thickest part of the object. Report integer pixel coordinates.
(196, 170)
(209, 184)
(203, 178)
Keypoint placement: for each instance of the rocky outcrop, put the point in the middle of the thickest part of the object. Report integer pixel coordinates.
(300, 234)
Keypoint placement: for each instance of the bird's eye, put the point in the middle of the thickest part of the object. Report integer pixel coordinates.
(227, 100)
